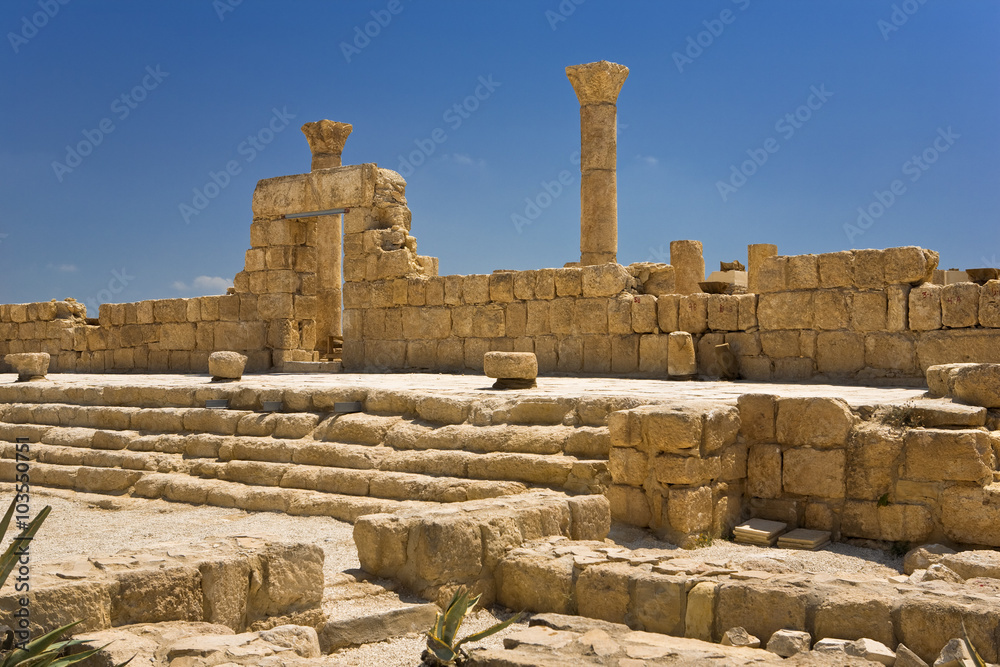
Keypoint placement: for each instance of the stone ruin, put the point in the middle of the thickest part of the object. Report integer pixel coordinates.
(511, 491)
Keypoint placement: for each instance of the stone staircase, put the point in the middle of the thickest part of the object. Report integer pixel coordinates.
(308, 459)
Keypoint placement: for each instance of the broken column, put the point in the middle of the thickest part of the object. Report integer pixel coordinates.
(756, 254)
(689, 266)
(597, 86)
(326, 141)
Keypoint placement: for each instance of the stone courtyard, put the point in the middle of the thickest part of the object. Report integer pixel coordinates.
(796, 460)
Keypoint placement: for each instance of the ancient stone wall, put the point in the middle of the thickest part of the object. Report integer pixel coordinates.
(905, 475)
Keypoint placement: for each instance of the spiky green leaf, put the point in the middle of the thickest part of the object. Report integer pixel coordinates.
(453, 618)
(8, 561)
(36, 647)
(443, 652)
(5, 524)
(491, 630)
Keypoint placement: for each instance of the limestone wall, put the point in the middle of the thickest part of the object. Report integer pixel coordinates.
(907, 474)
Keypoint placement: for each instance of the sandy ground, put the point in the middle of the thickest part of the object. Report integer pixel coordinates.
(96, 525)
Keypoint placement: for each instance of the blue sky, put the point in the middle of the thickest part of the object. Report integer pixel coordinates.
(830, 106)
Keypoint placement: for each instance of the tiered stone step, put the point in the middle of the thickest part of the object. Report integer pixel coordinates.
(342, 465)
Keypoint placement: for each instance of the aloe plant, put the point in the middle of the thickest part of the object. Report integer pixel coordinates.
(47, 650)
(442, 649)
(976, 659)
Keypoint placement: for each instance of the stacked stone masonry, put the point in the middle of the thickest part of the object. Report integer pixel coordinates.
(903, 474)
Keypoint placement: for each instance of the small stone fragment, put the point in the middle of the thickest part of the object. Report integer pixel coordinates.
(954, 654)
(512, 370)
(830, 645)
(871, 650)
(226, 366)
(29, 365)
(907, 658)
(787, 643)
(924, 556)
(939, 572)
(740, 637)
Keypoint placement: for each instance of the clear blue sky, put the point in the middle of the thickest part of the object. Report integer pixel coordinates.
(894, 77)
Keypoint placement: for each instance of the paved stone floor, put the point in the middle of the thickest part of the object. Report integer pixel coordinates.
(480, 386)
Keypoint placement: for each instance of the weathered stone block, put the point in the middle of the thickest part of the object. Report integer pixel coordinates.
(659, 602)
(740, 604)
(680, 354)
(869, 311)
(831, 310)
(891, 352)
(869, 269)
(604, 280)
(840, 352)
(907, 265)
(764, 471)
(813, 472)
(653, 354)
(814, 422)
(836, 269)
(723, 312)
(692, 313)
(602, 591)
(786, 310)
(960, 305)
(644, 314)
(925, 307)
(802, 272)
(757, 417)
(989, 304)
(955, 455)
(772, 275)
(667, 312)
(568, 281)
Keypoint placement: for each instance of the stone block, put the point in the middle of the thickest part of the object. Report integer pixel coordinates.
(592, 316)
(976, 384)
(869, 311)
(786, 310)
(545, 285)
(617, 315)
(653, 354)
(779, 344)
(524, 285)
(869, 269)
(898, 315)
(925, 307)
(723, 312)
(681, 360)
(764, 471)
(907, 265)
(832, 311)
(604, 280)
(602, 591)
(29, 365)
(510, 365)
(814, 472)
(948, 455)
(502, 286)
(689, 511)
(476, 289)
(570, 354)
(226, 365)
(644, 314)
(971, 515)
(836, 269)
(568, 281)
(692, 313)
(772, 275)
(801, 272)
(757, 417)
(840, 352)
(667, 312)
(689, 265)
(659, 602)
(815, 422)
(762, 608)
(989, 304)
(960, 305)
(536, 582)
(958, 345)
(629, 505)
(596, 354)
(747, 318)
(891, 352)
(624, 354)
(699, 616)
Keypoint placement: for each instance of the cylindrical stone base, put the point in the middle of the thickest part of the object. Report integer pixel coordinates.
(325, 160)
(689, 265)
(756, 254)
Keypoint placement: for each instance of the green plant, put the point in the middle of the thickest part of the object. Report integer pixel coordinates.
(47, 650)
(442, 649)
(883, 500)
(978, 661)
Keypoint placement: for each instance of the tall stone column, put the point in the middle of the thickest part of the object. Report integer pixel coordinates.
(597, 86)
(326, 141)
(689, 266)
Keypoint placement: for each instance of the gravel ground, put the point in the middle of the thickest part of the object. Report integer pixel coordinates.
(96, 525)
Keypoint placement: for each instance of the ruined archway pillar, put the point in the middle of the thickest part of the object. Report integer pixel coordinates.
(597, 86)
(326, 141)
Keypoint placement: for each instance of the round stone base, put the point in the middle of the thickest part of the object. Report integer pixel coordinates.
(513, 383)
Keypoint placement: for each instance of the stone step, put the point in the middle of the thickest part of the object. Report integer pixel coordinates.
(98, 458)
(184, 488)
(372, 483)
(90, 479)
(557, 471)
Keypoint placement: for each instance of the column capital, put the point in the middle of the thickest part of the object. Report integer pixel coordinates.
(326, 141)
(597, 83)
